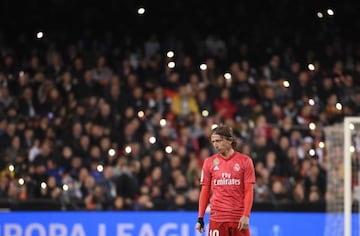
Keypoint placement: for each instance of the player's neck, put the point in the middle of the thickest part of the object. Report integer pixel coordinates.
(228, 154)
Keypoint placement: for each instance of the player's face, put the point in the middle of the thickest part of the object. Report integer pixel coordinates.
(221, 144)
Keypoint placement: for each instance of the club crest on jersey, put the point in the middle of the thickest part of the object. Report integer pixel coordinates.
(216, 163)
(237, 167)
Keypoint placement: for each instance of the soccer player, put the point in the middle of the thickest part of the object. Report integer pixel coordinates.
(227, 180)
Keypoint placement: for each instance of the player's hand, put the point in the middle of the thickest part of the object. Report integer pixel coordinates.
(200, 225)
(243, 223)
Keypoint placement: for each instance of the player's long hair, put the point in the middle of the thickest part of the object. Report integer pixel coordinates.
(226, 132)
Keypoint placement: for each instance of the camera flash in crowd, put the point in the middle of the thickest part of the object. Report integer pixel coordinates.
(319, 15)
(141, 114)
(321, 145)
(111, 152)
(141, 11)
(352, 149)
(312, 152)
(330, 12)
(338, 106)
(311, 67)
(251, 124)
(286, 84)
(21, 181)
(227, 76)
(214, 126)
(205, 113)
(11, 168)
(351, 126)
(43, 185)
(311, 102)
(128, 149)
(162, 122)
(168, 149)
(170, 54)
(65, 187)
(203, 67)
(312, 126)
(171, 65)
(152, 140)
(100, 168)
(39, 35)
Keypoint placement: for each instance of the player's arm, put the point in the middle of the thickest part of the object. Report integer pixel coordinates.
(204, 197)
(249, 180)
(248, 202)
(248, 198)
(203, 202)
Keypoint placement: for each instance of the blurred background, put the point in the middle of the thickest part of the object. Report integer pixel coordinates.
(108, 105)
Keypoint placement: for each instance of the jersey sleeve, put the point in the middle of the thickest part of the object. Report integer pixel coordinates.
(249, 173)
(205, 178)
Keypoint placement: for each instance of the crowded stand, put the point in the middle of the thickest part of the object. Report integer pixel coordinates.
(112, 124)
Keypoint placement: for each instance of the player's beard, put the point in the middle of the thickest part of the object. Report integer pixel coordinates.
(224, 151)
(221, 151)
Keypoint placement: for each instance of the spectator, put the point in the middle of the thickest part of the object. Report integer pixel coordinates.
(56, 64)
(203, 103)
(96, 199)
(355, 103)
(27, 105)
(54, 169)
(298, 193)
(280, 194)
(5, 99)
(224, 107)
(183, 103)
(159, 102)
(101, 72)
(273, 70)
(262, 193)
(88, 86)
(13, 150)
(315, 182)
(50, 190)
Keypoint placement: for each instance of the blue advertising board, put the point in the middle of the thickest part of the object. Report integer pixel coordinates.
(148, 224)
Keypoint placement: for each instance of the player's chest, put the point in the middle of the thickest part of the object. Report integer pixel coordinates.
(227, 169)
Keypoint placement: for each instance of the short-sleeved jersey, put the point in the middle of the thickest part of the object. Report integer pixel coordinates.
(227, 176)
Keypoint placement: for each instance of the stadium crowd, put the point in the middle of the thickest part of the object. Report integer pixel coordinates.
(101, 125)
